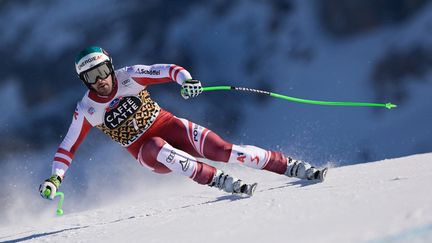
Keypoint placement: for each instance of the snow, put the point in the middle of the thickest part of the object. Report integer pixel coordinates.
(383, 201)
(223, 49)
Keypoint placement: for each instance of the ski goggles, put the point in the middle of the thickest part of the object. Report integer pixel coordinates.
(101, 71)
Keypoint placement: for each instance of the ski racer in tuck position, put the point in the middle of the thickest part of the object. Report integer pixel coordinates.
(118, 104)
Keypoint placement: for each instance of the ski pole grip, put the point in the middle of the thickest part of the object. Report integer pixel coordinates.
(47, 192)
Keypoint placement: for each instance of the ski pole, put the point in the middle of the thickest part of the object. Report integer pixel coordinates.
(313, 102)
(59, 211)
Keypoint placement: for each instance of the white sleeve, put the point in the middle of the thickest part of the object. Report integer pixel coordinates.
(78, 130)
(158, 73)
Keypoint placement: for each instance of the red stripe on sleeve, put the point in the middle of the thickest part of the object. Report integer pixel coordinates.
(176, 72)
(84, 130)
(61, 160)
(170, 71)
(147, 81)
(64, 151)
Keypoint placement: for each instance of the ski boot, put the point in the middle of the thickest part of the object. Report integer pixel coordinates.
(231, 184)
(303, 170)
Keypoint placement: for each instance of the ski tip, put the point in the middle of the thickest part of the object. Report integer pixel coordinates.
(254, 186)
(323, 174)
(251, 190)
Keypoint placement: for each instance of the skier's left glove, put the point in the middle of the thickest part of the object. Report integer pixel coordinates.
(191, 88)
(49, 187)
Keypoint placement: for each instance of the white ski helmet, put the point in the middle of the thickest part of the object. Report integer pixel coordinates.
(92, 58)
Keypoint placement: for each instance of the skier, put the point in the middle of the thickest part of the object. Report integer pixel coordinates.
(118, 104)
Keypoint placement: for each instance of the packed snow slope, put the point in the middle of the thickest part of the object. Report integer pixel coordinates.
(383, 201)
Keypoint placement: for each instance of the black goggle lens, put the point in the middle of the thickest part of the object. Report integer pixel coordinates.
(92, 75)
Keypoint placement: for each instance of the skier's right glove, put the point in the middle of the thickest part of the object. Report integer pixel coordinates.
(49, 187)
(191, 88)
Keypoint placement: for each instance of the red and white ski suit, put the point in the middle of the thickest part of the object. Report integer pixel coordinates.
(155, 137)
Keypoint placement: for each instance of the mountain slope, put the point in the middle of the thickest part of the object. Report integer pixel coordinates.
(384, 201)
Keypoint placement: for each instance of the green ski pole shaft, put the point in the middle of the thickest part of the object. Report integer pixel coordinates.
(60, 203)
(59, 211)
(313, 102)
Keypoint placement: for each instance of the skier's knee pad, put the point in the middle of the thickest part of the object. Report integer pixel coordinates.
(177, 160)
(250, 156)
(148, 153)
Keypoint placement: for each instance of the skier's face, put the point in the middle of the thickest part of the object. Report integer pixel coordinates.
(103, 86)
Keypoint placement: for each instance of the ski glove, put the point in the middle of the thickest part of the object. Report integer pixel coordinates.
(191, 88)
(49, 187)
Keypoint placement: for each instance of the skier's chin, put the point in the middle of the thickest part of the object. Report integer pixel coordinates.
(104, 90)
